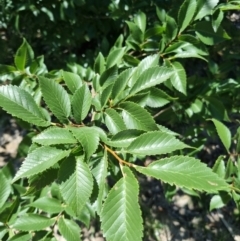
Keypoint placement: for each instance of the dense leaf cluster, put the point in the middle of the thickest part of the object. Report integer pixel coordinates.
(90, 124)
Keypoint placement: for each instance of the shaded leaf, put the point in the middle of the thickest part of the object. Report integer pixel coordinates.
(171, 28)
(39, 160)
(185, 172)
(21, 104)
(124, 138)
(24, 55)
(136, 117)
(121, 215)
(77, 189)
(56, 97)
(53, 136)
(72, 80)
(81, 103)
(6, 69)
(206, 34)
(153, 143)
(114, 121)
(69, 229)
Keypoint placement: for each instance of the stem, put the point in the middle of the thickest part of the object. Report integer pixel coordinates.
(117, 157)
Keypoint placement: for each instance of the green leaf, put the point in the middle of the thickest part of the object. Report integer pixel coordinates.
(6, 69)
(185, 172)
(157, 30)
(145, 64)
(108, 76)
(41, 180)
(184, 49)
(171, 28)
(186, 13)
(151, 77)
(81, 103)
(5, 189)
(113, 121)
(100, 172)
(206, 34)
(115, 57)
(217, 18)
(140, 20)
(37, 65)
(54, 136)
(157, 98)
(21, 237)
(124, 138)
(72, 80)
(121, 82)
(205, 7)
(136, 117)
(48, 205)
(105, 95)
(21, 104)
(29, 222)
(219, 167)
(121, 215)
(99, 65)
(39, 160)
(136, 32)
(223, 133)
(69, 229)
(78, 188)
(219, 201)
(24, 55)
(88, 138)
(57, 98)
(153, 143)
(178, 79)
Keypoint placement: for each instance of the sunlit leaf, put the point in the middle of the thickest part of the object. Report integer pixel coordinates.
(21, 104)
(39, 160)
(56, 97)
(29, 222)
(53, 136)
(153, 143)
(69, 229)
(223, 133)
(136, 117)
(121, 215)
(76, 190)
(186, 172)
(81, 103)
